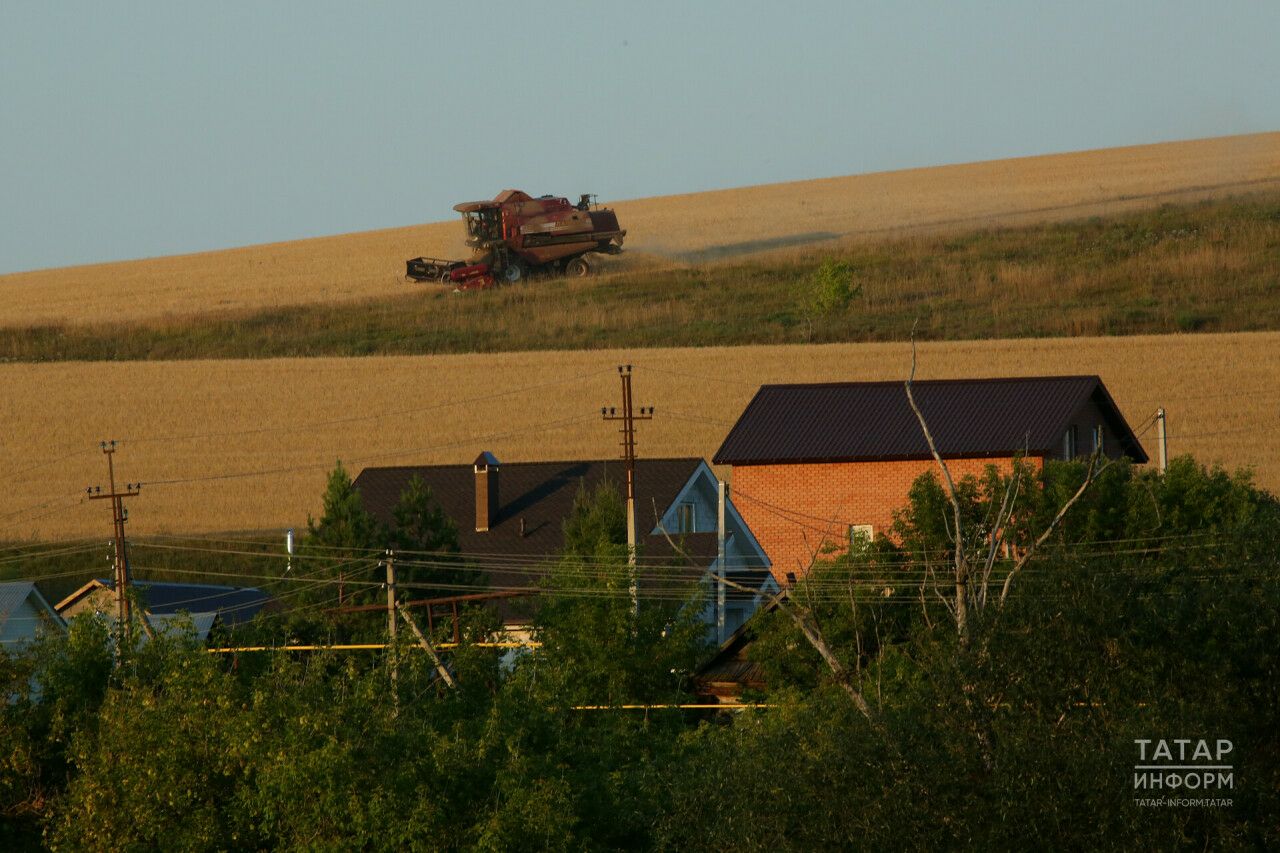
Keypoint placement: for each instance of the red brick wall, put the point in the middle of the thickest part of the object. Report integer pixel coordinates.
(794, 509)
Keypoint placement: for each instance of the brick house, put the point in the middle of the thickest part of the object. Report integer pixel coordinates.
(510, 518)
(816, 464)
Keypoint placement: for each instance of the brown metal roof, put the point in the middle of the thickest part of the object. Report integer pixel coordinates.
(863, 421)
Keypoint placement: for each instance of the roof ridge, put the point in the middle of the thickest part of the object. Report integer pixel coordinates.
(469, 465)
(992, 380)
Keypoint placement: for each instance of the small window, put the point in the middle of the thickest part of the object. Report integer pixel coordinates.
(1099, 439)
(686, 518)
(1071, 443)
(861, 534)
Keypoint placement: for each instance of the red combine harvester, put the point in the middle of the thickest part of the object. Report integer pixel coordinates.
(516, 234)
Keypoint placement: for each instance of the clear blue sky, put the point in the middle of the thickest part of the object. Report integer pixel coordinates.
(137, 129)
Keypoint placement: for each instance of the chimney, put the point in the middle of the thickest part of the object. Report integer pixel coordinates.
(486, 468)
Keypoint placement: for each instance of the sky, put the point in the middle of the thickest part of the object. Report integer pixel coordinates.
(139, 129)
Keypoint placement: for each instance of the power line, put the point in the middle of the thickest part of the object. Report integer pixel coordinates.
(544, 427)
(306, 426)
(38, 465)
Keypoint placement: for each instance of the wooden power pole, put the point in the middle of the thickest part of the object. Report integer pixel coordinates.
(119, 515)
(628, 417)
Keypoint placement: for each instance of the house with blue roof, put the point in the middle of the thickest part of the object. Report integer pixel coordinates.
(24, 615)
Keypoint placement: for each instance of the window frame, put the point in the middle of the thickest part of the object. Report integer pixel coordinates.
(1071, 443)
(691, 508)
(865, 531)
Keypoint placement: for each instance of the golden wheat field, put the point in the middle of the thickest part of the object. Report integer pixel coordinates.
(282, 423)
(662, 230)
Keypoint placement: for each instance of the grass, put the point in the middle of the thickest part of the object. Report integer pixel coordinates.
(1209, 266)
(245, 444)
(664, 233)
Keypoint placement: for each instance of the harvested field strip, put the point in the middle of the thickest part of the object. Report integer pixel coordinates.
(662, 232)
(201, 433)
(1207, 266)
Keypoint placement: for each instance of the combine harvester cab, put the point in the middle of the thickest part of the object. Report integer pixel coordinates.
(516, 234)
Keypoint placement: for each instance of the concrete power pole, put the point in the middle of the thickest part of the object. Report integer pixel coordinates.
(628, 430)
(721, 559)
(118, 517)
(1162, 441)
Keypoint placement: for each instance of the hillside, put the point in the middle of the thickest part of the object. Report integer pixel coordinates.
(663, 232)
(245, 444)
(1194, 266)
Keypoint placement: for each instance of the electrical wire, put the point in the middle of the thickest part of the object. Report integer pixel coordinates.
(45, 463)
(544, 427)
(304, 427)
(27, 520)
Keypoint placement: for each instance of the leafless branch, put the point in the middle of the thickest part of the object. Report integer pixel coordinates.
(961, 559)
(1090, 475)
(1007, 504)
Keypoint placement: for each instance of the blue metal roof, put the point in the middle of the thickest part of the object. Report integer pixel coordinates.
(233, 604)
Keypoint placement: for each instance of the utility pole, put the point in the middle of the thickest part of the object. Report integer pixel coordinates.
(1162, 441)
(391, 623)
(628, 430)
(721, 554)
(119, 515)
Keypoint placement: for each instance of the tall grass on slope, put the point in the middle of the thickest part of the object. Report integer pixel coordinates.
(1209, 266)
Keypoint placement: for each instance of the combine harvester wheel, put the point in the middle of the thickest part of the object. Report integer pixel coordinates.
(514, 272)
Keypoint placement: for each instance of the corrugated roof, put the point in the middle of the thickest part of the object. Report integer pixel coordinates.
(234, 604)
(12, 594)
(176, 623)
(864, 421)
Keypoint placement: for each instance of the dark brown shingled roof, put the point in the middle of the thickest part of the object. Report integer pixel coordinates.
(542, 493)
(864, 421)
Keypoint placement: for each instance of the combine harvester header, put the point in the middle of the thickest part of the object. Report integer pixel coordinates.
(516, 234)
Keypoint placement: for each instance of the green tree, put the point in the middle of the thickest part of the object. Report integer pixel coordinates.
(345, 527)
(346, 539)
(165, 759)
(597, 523)
(422, 528)
(827, 291)
(421, 523)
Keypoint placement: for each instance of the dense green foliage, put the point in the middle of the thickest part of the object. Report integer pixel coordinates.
(827, 292)
(1208, 266)
(1154, 612)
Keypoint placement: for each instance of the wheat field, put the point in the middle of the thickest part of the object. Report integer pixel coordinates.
(282, 423)
(662, 230)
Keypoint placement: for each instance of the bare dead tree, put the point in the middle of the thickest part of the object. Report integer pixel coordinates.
(960, 606)
(965, 600)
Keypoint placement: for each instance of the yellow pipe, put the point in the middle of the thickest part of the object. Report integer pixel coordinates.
(350, 647)
(716, 706)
